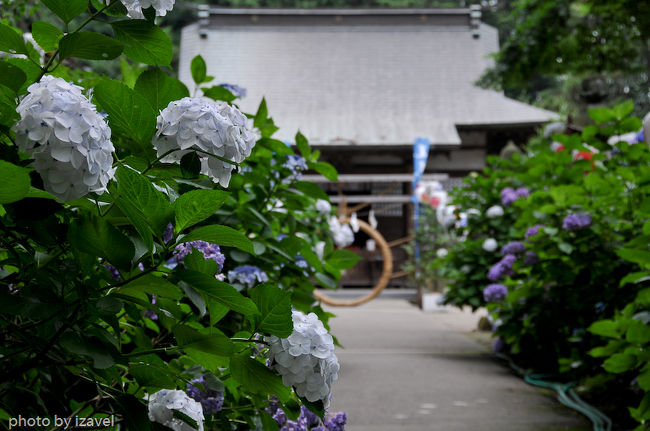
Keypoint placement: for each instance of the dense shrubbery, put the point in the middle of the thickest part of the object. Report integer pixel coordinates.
(554, 252)
(131, 262)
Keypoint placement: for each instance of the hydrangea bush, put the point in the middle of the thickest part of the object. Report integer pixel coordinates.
(126, 205)
(553, 262)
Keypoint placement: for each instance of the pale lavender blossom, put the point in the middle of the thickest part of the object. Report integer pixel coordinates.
(495, 292)
(247, 275)
(513, 247)
(576, 221)
(530, 258)
(503, 268)
(533, 230)
(211, 400)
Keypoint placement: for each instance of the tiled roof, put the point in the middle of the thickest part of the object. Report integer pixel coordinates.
(340, 82)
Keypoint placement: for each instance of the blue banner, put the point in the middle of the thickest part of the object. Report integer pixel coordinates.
(420, 155)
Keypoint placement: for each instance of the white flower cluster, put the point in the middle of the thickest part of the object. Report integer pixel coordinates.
(134, 7)
(323, 207)
(342, 234)
(164, 401)
(490, 245)
(197, 123)
(306, 359)
(494, 211)
(68, 139)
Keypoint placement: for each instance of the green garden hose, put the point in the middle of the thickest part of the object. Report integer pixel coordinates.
(566, 395)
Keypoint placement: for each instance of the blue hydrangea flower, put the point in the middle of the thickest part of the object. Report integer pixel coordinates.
(115, 274)
(576, 221)
(150, 313)
(210, 252)
(495, 292)
(336, 422)
(169, 233)
(509, 195)
(212, 401)
(530, 258)
(301, 262)
(513, 247)
(533, 230)
(296, 164)
(247, 275)
(522, 192)
(236, 90)
(502, 268)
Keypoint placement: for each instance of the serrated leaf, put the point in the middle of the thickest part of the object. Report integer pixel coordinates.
(221, 235)
(46, 35)
(642, 257)
(95, 236)
(15, 182)
(129, 113)
(605, 328)
(619, 363)
(89, 45)
(303, 145)
(256, 378)
(198, 69)
(218, 92)
(638, 333)
(325, 169)
(276, 146)
(153, 285)
(195, 206)
(11, 41)
(151, 377)
(159, 88)
(343, 259)
(11, 76)
(216, 343)
(66, 9)
(212, 289)
(144, 42)
(274, 305)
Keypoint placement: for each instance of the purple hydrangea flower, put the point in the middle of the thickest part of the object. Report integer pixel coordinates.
(576, 221)
(498, 346)
(210, 252)
(236, 90)
(531, 258)
(513, 247)
(495, 292)
(301, 262)
(640, 137)
(150, 313)
(533, 230)
(115, 274)
(522, 192)
(211, 400)
(502, 268)
(508, 196)
(336, 422)
(307, 419)
(248, 275)
(296, 164)
(168, 234)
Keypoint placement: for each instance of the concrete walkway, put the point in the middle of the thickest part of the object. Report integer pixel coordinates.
(402, 369)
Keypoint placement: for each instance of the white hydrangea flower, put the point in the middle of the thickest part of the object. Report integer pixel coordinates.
(445, 215)
(68, 140)
(197, 123)
(323, 207)
(494, 211)
(319, 249)
(134, 7)
(306, 359)
(164, 401)
(441, 252)
(342, 234)
(490, 245)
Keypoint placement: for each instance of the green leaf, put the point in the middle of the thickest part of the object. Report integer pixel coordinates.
(638, 333)
(136, 194)
(303, 145)
(325, 281)
(159, 88)
(66, 9)
(325, 169)
(144, 42)
(605, 328)
(12, 76)
(311, 257)
(624, 109)
(11, 41)
(343, 259)
(274, 305)
(190, 165)
(129, 113)
(46, 35)
(275, 145)
(195, 206)
(153, 285)
(151, 377)
(565, 247)
(97, 237)
(221, 235)
(256, 378)
(212, 289)
(216, 343)
(635, 277)
(619, 362)
(644, 380)
(311, 190)
(261, 115)
(602, 115)
(642, 257)
(100, 354)
(217, 92)
(198, 69)
(15, 182)
(89, 45)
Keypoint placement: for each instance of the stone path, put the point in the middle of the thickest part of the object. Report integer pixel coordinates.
(402, 369)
